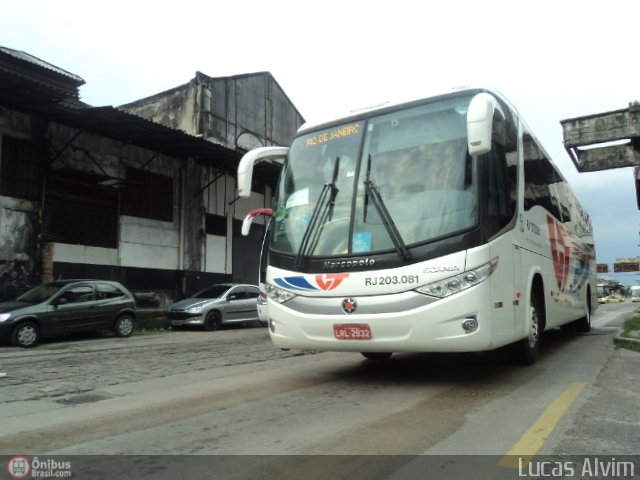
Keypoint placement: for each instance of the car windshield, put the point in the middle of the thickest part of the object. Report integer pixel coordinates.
(40, 293)
(390, 181)
(215, 291)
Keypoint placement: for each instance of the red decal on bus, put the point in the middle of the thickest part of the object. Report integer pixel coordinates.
(560, 251)
(329, 281)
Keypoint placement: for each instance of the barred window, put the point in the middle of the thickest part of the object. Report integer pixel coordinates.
(80, 214)
(148, 195)
(21, 169)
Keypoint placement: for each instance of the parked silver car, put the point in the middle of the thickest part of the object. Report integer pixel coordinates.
(216, 305)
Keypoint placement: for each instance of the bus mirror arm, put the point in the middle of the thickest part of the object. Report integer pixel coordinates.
(249, 159)
(482, 109)
(248, 220)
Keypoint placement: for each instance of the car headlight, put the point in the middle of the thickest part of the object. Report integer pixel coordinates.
(4, 317)
(195, 309)
(277, 294)
(461, 282)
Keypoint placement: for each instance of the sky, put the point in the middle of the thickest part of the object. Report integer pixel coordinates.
(553, 60)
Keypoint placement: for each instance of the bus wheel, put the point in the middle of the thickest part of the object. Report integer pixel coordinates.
(583, 325)
(526, 350)
(378, 356)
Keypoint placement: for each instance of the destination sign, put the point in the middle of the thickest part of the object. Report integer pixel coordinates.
(335, 134)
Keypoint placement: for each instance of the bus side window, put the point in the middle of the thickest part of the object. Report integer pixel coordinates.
(502, 175)
(541, 179)
(501, 183)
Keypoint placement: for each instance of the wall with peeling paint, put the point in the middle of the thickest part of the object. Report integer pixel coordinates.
(18, 246)
(240, 112)
(149, 255)
(19, 219)
(158, 259)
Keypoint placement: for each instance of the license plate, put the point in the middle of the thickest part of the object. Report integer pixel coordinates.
(352, 332)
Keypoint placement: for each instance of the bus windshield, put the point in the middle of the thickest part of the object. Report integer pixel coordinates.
(380, 183)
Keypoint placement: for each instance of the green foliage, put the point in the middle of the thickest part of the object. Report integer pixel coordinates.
(631, 328)
(631, 331)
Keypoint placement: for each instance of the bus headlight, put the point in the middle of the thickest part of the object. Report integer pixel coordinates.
(459, 283)
(277, 294)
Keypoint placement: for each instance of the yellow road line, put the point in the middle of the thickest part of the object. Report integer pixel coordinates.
(531, 442)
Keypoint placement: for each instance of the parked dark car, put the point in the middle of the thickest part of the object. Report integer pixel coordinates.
(67, 306)
(216, 305)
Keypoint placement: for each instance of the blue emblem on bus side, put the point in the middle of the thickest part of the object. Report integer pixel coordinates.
(295, 283)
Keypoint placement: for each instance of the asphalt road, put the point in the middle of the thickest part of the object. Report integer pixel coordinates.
(231, 398)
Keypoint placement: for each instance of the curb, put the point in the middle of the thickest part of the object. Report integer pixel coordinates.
(625, 341)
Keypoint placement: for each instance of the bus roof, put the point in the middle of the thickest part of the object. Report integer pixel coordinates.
(400, 100)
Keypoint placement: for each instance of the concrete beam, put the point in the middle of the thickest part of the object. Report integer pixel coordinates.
(605, 158)
(602, 128)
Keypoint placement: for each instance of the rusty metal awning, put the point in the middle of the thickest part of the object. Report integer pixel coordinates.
(32, 86)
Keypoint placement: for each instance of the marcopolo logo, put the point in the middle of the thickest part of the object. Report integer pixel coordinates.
(22, 467)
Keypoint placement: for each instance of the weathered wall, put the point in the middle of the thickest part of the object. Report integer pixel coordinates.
(143, 242)
(149, 255)
(19, 256)
(243, 111)
(246, 111)
(20, 260)
(175, 108)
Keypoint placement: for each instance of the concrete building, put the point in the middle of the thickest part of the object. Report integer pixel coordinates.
(103, 192)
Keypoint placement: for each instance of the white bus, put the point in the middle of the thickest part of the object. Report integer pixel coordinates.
(437, 225)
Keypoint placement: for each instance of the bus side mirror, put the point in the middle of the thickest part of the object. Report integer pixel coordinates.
(245, 167)
(248, 220)
(482, 109)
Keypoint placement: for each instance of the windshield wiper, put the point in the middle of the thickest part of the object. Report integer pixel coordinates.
(371, 190)
(322, 212)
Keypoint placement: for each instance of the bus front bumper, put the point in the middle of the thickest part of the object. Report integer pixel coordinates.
(425, 325)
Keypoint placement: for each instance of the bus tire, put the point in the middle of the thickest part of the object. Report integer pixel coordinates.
(526, 351)
(376, 356)
(583, 325)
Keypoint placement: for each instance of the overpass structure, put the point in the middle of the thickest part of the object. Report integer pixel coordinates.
(603, 141)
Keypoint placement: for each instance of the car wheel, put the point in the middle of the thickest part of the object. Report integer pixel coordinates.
(377, 356)
(25, 335)
(124, 326)
(526, 350)
(212, 321)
